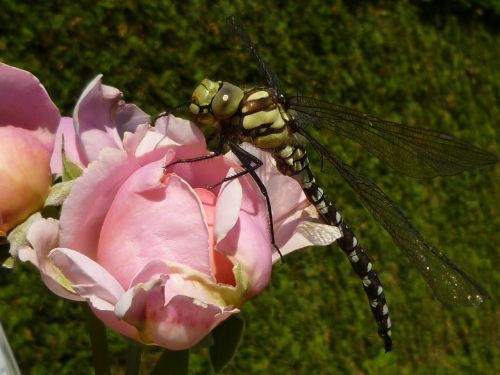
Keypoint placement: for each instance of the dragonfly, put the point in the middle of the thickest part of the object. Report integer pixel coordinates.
(276, 123)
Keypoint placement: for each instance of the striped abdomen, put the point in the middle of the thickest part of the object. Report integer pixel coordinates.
(292, 160)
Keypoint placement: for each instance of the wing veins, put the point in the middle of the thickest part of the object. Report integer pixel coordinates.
(449, 283)
(412, 151)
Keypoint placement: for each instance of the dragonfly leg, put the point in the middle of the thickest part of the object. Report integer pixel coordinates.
(217, 152)
(160, 115)
(190, 160)
(171, 111)
(250, 163)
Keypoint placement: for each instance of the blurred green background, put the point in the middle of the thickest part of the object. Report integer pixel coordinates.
(424, 63)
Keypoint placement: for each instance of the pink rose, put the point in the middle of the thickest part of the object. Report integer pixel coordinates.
(158, 257)
(28, 122)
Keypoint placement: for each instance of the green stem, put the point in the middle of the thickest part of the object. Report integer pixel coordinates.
(98, 341)
(133, 358)
(172, 363)
(4, 249)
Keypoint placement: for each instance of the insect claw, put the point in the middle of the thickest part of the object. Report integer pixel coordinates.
(170, 164)
(159, 116)
(282, 259)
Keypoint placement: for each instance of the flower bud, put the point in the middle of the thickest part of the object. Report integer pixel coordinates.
(24, 176)
(28, 122)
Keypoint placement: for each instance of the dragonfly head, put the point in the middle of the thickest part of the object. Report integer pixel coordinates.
(214, 100)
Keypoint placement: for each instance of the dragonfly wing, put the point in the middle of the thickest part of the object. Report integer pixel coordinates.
(236, 28)
(450, 284)
(415, 152)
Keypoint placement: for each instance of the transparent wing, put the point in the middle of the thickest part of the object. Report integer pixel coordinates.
(236, 28)
(451, 285)
(415, 152)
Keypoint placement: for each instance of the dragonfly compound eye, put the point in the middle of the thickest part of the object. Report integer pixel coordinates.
(226, 102)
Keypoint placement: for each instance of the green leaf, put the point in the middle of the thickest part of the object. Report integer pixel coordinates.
(70, 169)
(17, 236)
(227, 338)
(5, 259)
(58, 193)
(172, 362)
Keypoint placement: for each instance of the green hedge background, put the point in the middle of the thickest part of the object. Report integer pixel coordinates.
(425, 63)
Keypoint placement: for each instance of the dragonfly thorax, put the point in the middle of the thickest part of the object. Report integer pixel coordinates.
(254, 115)
(213, 101)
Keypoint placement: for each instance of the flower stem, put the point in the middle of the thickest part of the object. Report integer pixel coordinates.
(172, 363)
(98, 341)
(133, 358)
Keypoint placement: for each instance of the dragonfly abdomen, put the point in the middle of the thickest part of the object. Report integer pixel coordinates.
(292, 161)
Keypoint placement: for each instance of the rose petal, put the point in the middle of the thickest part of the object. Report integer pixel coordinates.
(288, 201)
(201, 174)
(85, 208)
(186, 281)
(286, 196)
(94, 117)
(249, 240)
(220, 264)
(132, 141)
(296, 222)
(171, 133)
(72, 147)
(43, 237)
(129, 117)
(181, 132)
(228, 206)
(24, 103)
(169, 225)
(109, 318)
(180, 324)
(90, 280)
(310, 233)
